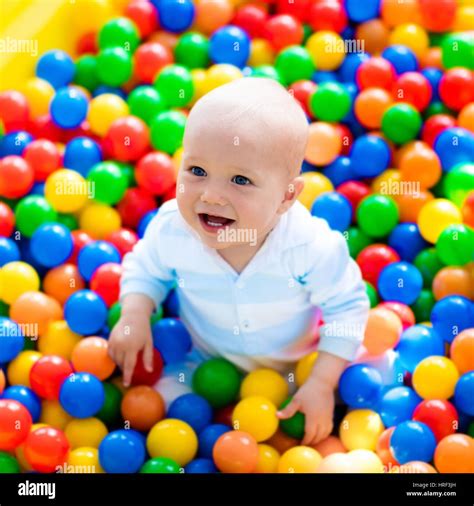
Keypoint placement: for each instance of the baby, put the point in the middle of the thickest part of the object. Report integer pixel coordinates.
(253, 270)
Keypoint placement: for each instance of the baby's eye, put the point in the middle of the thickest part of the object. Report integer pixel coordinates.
(197, 171)
(241, 180)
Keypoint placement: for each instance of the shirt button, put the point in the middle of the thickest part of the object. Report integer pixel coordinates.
(246, 324)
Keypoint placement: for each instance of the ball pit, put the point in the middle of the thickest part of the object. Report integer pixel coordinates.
(90, 146)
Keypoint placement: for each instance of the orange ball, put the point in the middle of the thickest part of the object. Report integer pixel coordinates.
(466, 117)
(432, 58)
(455, 454)
(91, 355)
(420, 164)
(396, 12)
(453, 281)
(62, 281)
(370, 105)
(410, 204)
(324, 143)
(462, 351)
(236, 452)
(168, 39)
(282, 442)
(2, 381)
(383, 331)
(468, 210)
(383, 448)
(374, 36)
(34, 311)
(212, 14)
(328, 446)
(143, 407)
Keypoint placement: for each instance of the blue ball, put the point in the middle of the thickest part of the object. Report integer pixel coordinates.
(122, 451)
(171, 339)
(339, 171)
(56, 67)
(323, 76)
(68, 108)
(85, 312)
(171, 304)
(81, 153)
(192, 409)
(362, 11)
(397, 405)
(38, 189)
(82, 395)
(464, 393)
(407, 241)
(454, 146)
(95, 254)
(417, 343)
(176, 15)
(335, 209)
(434, 76)
(11, 339)
(400, 282)
(51, 244)
(201, 466)
(223, 44)
(370, 156)
(348, 70)
(401, 57)
(9, 251)
(14, 143)
(25, 396)
(451, 315)
(412, 441)
(360, 386)
(208, 437)
(145, 221)
(103, 88)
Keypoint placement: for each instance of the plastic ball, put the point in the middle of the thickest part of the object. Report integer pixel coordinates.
(81, 395)
(38, 94)
(12, 339)
(2, 381)
(335, 209)
(85, 312)
(435, 216)
(55, 67)
(143, 407)
(9, 251)
(51, 244)
(48, 374)
(456, 88)
(122, 451)
(370, 105)
(167, 130)
(417, 343)
(401, 282)
(293, 64)
(99, 220)
(373, 259)
(94, 255)
(377, 215)
(127, 139)
(317, 45)
(369, 147)
(145, 102)
(62, 281)
(236, 452)
(175, 85)
(383, 448)
(85, 432)
(155, 173)
(397, 405)
(454, 146)
(114, 66)
(66, 191)
(110, 411)
(324, 144)
(300, 459)
(452, 281)
(16, 177)
(440, 416)
(454, 454)
(91, 355)
(282, 30)
(104, 110)
(459, 183)
(420, 164)
(452, 315)
(15, 424)
(25, 396)
(257, 416)
(222, 44)
(68, 107)
(456, 50)
(46, 449)
(208, 437)
(361, 429)
(464, 392)
(295, 425)
(455, 245)
(192, 409)
(161, 465)
(412, 440)
(330, 102)
(265, 383)
(360, 386)
(171, 339)
(119, 32)
(435, 377)
(8, 464)
(401, 123)
(461, 351)
(53, 415)
(44, 158)
(85, 459)
(382, 332)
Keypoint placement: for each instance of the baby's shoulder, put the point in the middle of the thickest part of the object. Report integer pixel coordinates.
(167, 221)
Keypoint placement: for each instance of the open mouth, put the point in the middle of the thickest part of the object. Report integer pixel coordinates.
(213, 223)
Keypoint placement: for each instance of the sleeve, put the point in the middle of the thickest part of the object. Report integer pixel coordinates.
(143, 268)
(335, 284)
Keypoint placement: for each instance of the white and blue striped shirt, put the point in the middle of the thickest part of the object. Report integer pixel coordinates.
(269, 314)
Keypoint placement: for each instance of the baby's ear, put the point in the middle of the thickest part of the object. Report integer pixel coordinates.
(295, 187)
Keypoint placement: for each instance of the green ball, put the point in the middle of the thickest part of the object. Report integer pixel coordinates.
(160, 465)
(401, 123)
(428, 263)
(114, 66)
(31, 212)
(307, 31)
(86, 72)
(470, 429)
(113, 316)
(266, 71)
(145, 102)
(423, 305)
(372, 294)
(330, 102)
(293, 426)
(377, 215)
(167, 131)
(4, 309)
(357, 241)
(436, 108)
(192, 50)
(175, 85)
(457, 50)
(110, 411)
(69, 220)
(8, 464)
(108, 181)
(156, 316)
(119, 32)
(293, 64)
(218, 381)
(29, 344)
(128, 172)
(458, 182)
(455, 245)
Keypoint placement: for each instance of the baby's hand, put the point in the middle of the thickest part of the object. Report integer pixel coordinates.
(315, 399)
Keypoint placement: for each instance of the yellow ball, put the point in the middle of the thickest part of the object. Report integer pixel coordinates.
(173, 439)
(177, 159)
(336, 463)
(85, 432)
(314, 184)
(326, 49)
(58, 339)
(304, 367)
(266, 383)
(199, 77)
(389, 179)
(104, 110)
(299, 459)
(17, 278)
(464, 20)
(268, 459)
(361, 429)
(90, 15)
(53, 414)
(66, 190)
(39, 93)
(18, 371)
(412, 36)
(20, 450)
(219, 74)
(83, 460)
(257, 416)
(99, 220)
(435, 377)
(435, 216)
(365, 461)
(261, 53)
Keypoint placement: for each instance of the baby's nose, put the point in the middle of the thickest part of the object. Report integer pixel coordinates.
(213, 196)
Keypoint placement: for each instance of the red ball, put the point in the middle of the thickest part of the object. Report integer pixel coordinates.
(123, 239)
(127, 139)
(373, 259)
(44, 157)
(106, 282)
(403, 311)
(48, 374)
(169, 195)
(15, 424)
(347, 138)
(302, 91)
(16, 177)
(134, 205)
(83, 130)
(282, 31)
(376, 72)
(354, 191)
(79, 239)
(150, 58)
(141, 376)
(456, 88)
(327, 15)
(440, 416)
(7, 220)
(14, 110)
(43, 127)
(434, 125)
(296, 8)
(46, 449)
(155, 173)
(438, 15)
(251, 18)
(224, 415)
(414, 88)
(87, 44)
(144, 15)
